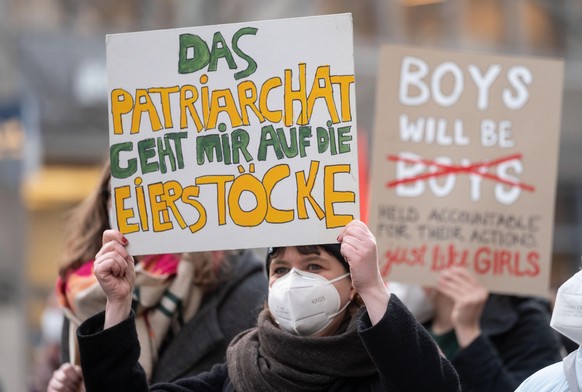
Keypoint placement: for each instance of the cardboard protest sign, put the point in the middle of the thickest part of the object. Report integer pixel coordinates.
(464, 166)
(233, 136)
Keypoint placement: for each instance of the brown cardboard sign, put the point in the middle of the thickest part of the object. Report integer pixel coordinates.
(464, 166)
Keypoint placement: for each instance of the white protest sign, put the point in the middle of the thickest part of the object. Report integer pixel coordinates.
(233, 136)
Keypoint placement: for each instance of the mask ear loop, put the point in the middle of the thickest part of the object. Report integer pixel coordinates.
(349, 300)
(341, 310)
(339, 277)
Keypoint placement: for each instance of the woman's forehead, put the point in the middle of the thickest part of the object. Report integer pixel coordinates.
(292, 253)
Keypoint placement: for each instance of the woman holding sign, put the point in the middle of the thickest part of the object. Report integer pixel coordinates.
(331, 324)
(178, 299)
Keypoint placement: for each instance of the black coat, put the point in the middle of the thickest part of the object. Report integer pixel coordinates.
(224, 312)
(405, 355)
(516, 341)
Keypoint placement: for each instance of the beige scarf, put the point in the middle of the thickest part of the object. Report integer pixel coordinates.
(164, 293)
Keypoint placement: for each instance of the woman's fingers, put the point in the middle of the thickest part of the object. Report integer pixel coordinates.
(112, 258)
(113, 262)
(67, 378)
(458, 283)
(112, 246)
(114, 235)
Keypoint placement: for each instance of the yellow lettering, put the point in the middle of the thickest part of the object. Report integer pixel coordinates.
(331, 196)
(220, 182)
(160, 216)
(292, 95)
(247, 97)
(141, 204)
(173, 192)
(322, 88)
(254, 217)
(166, 106)
(123, 214)
(121, 103)
(189, 95)
(188, 195)
(205, 100)
(271, 178)
(229, 107)
(271, 116)
(304, 189)
(143, 103)
(344, 81)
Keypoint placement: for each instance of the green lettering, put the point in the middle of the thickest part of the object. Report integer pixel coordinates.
(200, 56)
(251, 63)
(269, 138)
(206, 146)
(343, 139)
(290, 150)
(220, 49)
(146, 149)
(240, 141)
(116, 170)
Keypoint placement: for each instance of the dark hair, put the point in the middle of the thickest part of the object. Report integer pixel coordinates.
(332, 249)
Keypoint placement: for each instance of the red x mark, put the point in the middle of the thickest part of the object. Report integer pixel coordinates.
(456, 169)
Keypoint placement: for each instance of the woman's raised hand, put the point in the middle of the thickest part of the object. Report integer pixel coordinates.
(469, 297)
(358, 246)
(114, 269)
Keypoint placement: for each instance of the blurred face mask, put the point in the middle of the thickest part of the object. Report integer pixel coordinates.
(51, 323)
(567, 313)
(304, 303)
(416, 299)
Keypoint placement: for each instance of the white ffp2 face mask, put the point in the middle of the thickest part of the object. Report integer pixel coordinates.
(567, 313)
(304, 303)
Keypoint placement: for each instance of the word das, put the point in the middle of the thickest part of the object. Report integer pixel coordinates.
(484, 260)
(203, 107)
(433, 130)
(414, 73)
(284, 143)
(195, 54)
(159, 206)
(414, 175)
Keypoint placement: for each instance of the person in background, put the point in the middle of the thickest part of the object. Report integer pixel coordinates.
(493, 341)
(330, 324)
(47, 360)
(188, 306)
(569, 344)
(566, 375)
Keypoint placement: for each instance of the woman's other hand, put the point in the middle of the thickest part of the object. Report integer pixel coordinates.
(67, 378)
